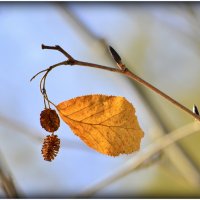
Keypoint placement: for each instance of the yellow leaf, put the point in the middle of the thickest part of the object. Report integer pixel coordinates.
(105, 123)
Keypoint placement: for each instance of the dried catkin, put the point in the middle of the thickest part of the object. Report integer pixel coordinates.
(50, 147)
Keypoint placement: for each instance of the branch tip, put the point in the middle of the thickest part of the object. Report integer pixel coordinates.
(39, 73)
(42, 46)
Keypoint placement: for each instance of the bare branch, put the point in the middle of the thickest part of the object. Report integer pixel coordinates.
(6, 180)
(58, 48)
(50, 68)
(127, 73)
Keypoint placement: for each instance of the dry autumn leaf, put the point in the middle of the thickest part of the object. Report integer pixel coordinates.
(105, 123)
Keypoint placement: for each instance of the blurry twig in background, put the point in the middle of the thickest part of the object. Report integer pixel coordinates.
(22, 128)
(157, 157)
(89, 37)
(192, 35)
(6, 180)
(190, 14)
(128, 167)
(185, 165)
(35, 135)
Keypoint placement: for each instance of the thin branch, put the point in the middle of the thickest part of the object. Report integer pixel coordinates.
(156, 90)
(152, 149)
(50, 68)
(93, 65)
(125, 72)
(58, 48)
(136, 78)
(38, 74)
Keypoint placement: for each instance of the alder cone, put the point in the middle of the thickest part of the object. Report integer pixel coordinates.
(49, 120)
(50, 147)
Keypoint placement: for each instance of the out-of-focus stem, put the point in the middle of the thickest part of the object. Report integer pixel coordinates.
(158, 145)
(6, 180)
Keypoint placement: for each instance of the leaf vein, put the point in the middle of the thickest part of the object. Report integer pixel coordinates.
(112, 116)
(94, 114)
(102, 135)
(98, 124)
(122, 142)
(82, 108)
(94, 139)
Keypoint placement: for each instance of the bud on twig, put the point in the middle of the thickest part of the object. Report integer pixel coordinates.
(115, 55)
(195, 110)
(117, 58)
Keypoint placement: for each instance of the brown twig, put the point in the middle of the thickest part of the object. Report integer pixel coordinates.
(50, 68)
(125, 71)
(58, 48)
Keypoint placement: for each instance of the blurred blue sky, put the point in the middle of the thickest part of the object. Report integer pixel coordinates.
(125, 26)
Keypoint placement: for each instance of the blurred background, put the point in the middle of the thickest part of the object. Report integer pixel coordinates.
(160, 42)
